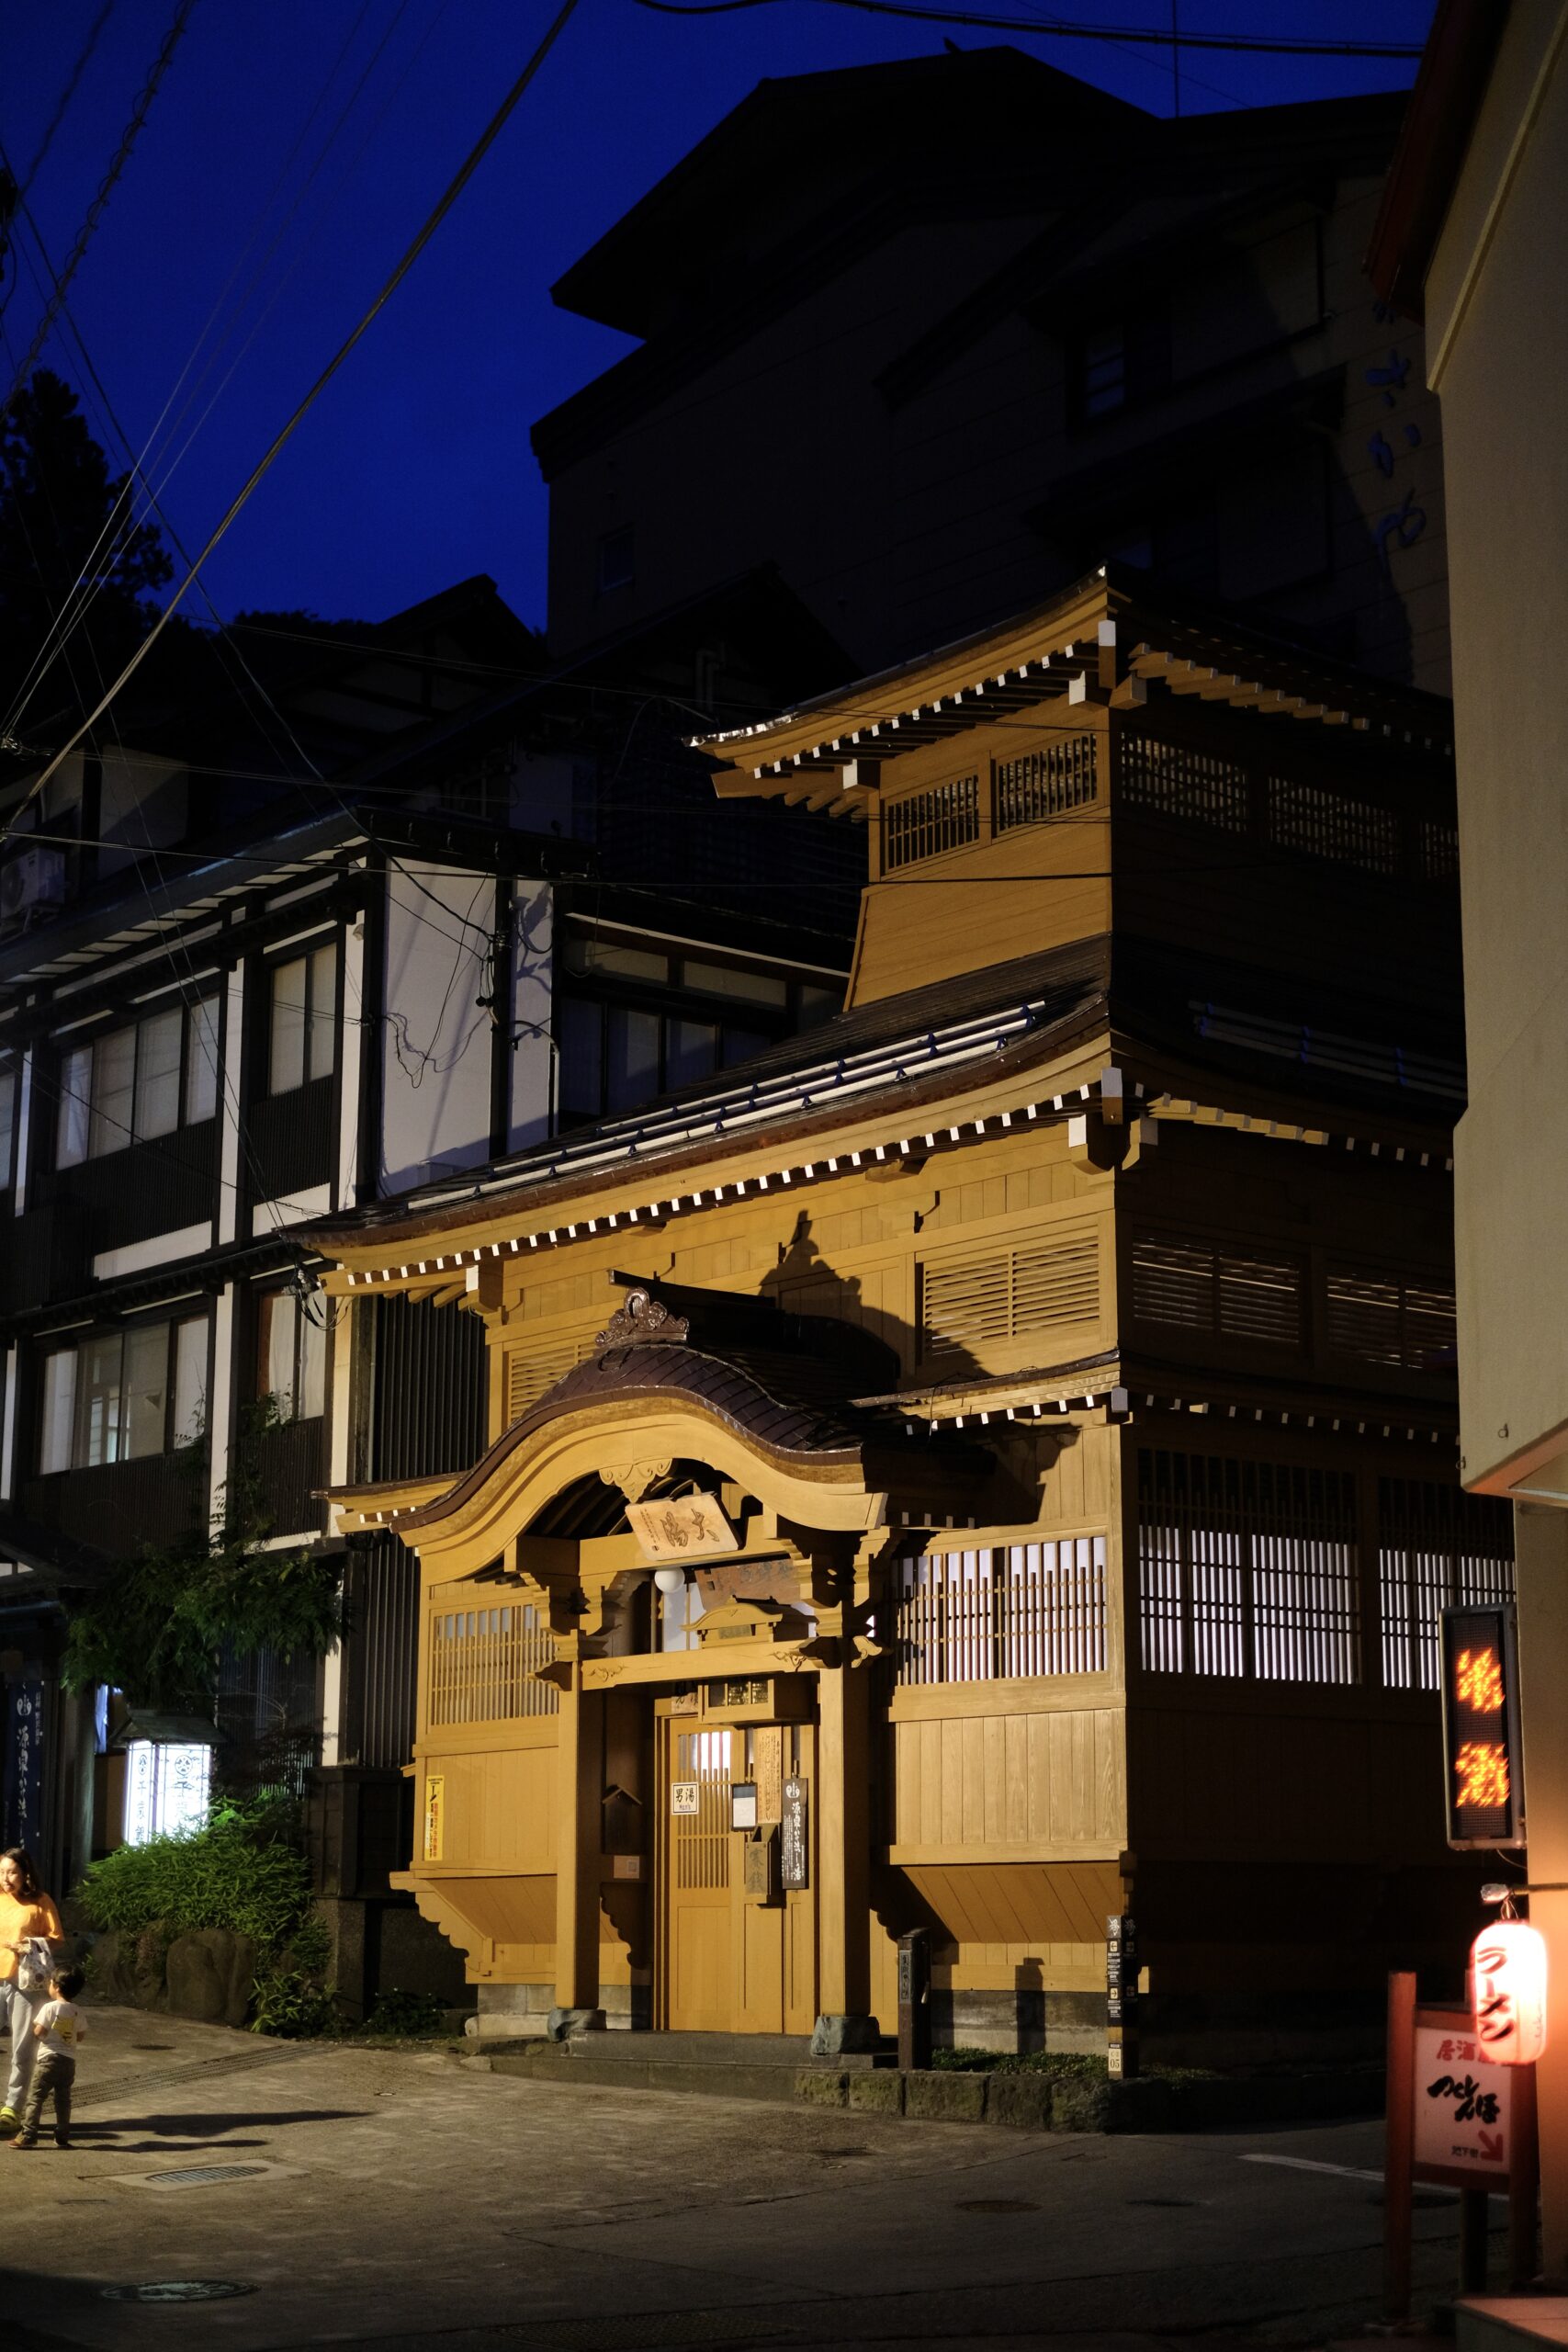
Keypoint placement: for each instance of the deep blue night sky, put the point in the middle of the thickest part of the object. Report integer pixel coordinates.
(414, 469)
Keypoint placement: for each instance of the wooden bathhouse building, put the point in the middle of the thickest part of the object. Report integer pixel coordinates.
(988, 1465)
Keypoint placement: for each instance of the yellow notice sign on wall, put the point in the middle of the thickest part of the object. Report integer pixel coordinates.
(435, 1815)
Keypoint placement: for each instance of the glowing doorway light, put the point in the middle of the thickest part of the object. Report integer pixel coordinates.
(167, 1789)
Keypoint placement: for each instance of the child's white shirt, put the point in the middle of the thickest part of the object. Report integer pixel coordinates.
(64, 2026)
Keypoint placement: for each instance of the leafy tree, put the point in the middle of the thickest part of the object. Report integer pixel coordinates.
(62, 515)
(157, 1626)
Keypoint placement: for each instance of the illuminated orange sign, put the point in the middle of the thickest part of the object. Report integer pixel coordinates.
(1507, 1976)
(1481, 1732)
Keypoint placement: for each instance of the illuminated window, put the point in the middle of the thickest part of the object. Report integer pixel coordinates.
(119, 1395)
(1248, 1570)
(1438, 1548)
(292, 1353)
(132, 1085)
(303, 1020)
(1001, 1611)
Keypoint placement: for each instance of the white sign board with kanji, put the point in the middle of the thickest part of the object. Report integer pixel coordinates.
(1463, 2121)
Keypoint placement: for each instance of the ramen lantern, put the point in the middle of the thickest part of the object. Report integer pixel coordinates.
(1507, 1966)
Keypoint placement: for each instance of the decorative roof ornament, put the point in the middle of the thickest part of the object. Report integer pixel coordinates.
(643, 1322)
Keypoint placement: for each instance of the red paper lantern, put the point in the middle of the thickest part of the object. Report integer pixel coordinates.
(1507, 1968)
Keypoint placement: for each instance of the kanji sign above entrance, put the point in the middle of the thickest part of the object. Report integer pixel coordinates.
(684, 1527)
(1485, 1789)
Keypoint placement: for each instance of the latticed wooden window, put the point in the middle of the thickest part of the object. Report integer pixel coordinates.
(532, 1370)
(1390, 1318)
(1006, 1611)
(1246, 1569)
(943, 817)
(980, 1302)
(1439, 850)
(1232, 1295)
(1047, 783)
(1438, 1548)
(1174, 780)
(1327, 824)
(483, 1664)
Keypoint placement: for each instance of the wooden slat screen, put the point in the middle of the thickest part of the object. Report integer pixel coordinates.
(1234, 1295)
(943, 817)
(1173, 780)
(1390, 1319)
(482, 1662)
(1012, 1293)
(1328, 824)
(1001, 1611)
(702, 1838)
(1439, 850)
(1046, 783)
(1246, 1569)
(532, 1372)
(1438, 1548)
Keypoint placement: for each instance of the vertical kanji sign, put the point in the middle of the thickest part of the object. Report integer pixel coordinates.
(1484, 1794)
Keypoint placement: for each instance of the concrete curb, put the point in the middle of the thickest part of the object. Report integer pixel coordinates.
(1017, 2102)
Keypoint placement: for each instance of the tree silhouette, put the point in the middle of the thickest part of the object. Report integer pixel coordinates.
(65, 518)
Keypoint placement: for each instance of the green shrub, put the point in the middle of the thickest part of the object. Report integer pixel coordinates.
(292, 2004)
(244, 1870)
(1070, 2065)
(417, 2015)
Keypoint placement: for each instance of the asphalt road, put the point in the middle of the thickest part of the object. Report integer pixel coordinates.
(403, 2200)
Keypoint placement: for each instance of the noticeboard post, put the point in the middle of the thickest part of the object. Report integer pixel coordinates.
(1461, 2123)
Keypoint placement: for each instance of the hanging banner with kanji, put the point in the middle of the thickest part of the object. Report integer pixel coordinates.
(1484, 1798)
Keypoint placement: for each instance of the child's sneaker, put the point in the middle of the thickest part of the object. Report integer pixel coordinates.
(19, 2143)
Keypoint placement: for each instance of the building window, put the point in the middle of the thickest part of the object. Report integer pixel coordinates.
(291, 1354)
(119, 1395)
(132, 1085)
(303, 1007)
(1102, 371)
(1002, 1611)
(616, 558)
(1248, 1570)
(1438, 1548)
(651, 1022)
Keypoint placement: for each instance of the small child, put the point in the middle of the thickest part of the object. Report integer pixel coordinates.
(60, 2026)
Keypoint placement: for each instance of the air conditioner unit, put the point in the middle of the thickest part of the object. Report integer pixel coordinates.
(32, 882)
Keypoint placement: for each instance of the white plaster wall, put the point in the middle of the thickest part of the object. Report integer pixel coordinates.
(1497, 333)
(533, 1080)
(436, 1042)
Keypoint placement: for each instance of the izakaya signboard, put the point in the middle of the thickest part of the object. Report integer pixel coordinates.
(1463, 2108)
(1484, 1789)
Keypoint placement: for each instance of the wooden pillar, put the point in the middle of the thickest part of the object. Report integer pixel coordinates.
(843, 1862)
(1541, 1538)
(579, 1764)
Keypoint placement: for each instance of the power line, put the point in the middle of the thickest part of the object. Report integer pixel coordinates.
(465, 172)
(106, 189)
(85, 57)
(1254, 44)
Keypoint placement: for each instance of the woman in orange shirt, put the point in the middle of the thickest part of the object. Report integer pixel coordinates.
(25, 1912)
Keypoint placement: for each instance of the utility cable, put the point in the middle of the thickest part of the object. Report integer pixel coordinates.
(106, 189)
(1249, 44)
(465, 172)
(85, 57)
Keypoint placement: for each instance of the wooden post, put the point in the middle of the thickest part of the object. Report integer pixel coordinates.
(1399, 2150)
(1524, 2182)
(579, 1762)
(843, 1862)
(1473, 2220)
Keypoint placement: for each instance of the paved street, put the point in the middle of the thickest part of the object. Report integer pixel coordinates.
(376, 2197)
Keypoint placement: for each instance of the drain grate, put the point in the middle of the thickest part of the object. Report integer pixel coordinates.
(176, 2291)
(204, 2176)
